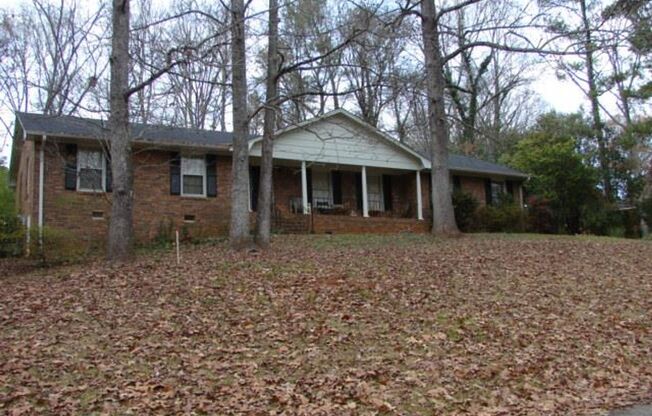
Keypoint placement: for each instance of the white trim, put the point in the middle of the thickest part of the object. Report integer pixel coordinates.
(419, 198)
(365, 197)
(203, 175)
(304, 188)
(41, 180)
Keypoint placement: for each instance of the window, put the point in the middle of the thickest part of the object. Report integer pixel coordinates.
(375, 193)
(193, 176)
(496, 192)
(90, 170)
(322, 196)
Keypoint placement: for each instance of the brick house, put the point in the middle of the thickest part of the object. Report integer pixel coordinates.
(333, 173)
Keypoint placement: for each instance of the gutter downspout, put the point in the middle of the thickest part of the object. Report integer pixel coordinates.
(41, 179)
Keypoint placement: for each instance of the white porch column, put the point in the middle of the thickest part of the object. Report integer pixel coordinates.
(365, 197)
(419, 199)
(304, 187)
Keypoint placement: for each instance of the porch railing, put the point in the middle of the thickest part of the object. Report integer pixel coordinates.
(326, 206)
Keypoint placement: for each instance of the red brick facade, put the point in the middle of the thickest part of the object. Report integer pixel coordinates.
(158, 213)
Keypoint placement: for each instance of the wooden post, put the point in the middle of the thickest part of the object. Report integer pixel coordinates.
(419, 198)
(304, 187)
(177, 239)
(365, 197)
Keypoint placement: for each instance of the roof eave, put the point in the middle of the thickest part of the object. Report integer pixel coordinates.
(522, 176)
(161, 143)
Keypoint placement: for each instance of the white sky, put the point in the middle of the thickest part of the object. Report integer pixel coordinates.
(562, 96)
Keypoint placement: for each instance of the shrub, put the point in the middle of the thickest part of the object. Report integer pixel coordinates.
(59, 246)
(12, 236)
(540, 216)
(165, 233)
(501, 218)
(645, 208)
(465, 206)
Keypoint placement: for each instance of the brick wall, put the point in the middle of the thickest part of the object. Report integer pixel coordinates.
(340, 224)
(474, 186)
(287, 185)
(155, 210)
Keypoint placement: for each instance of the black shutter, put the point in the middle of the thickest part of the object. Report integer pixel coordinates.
(358, 189)
(309, 180)
(510, 187)
(457, 183)
(108, 176)
(387, 192)
(175, 174)
(254, 177)
(336, 181)
(211, 176)
(71, 167)
(487, 192)
(432, 203)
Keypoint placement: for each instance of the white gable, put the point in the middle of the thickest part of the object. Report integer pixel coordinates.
(340, 139)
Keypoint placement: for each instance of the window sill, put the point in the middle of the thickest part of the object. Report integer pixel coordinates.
(90, 191)
(193, 196)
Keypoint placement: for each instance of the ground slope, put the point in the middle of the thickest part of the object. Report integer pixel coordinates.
(483, 325)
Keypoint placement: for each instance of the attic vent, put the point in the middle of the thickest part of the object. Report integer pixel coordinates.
(188, 218)
(98, 215)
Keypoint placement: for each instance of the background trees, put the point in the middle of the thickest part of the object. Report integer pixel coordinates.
(551, 152)
(371, 58)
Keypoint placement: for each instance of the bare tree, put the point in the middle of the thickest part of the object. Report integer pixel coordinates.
(148, 105)
(370, 63)
(586, 40)
(121, 222)
(65, 60)
(15, 46)
(197, 89)
(264, 206)
(239, 227)
(443, 216)
(51, 58)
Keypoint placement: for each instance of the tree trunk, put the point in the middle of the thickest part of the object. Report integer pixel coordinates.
(239, 228)
(264, 206)
(121, 223)
(443, 216)
(598, 130)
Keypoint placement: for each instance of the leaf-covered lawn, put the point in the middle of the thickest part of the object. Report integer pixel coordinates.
(363, 325)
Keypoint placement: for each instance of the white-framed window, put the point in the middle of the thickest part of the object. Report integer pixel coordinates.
(193, 176)
(91, 170)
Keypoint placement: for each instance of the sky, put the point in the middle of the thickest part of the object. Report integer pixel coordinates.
(559, 95)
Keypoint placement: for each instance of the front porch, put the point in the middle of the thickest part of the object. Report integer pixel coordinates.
(324, 191)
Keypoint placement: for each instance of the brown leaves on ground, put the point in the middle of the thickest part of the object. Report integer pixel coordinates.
(336, 325)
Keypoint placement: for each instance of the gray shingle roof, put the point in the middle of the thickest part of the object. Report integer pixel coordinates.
(70, 126)
(468, 164)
